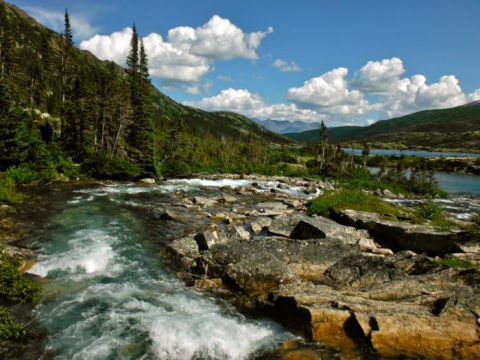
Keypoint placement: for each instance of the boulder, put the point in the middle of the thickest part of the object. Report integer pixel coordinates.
(260, 273)
(207, 239)
(242, 233)
(148, 181)
(259, 223)
(185, 246)
(399, 236)
(203, 201)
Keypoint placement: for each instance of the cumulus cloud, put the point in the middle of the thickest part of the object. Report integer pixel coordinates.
(378, 77)
(187, 54)
(81, 26)
(398, 96)
(389, 95)
(329, 94)
(252, 105)
(284, 66)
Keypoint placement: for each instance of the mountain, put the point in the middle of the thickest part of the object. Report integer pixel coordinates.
(454, 128)
(283, 127)
(63, 104)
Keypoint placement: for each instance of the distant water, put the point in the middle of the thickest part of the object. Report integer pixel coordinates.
(453, 183)
(427, 154)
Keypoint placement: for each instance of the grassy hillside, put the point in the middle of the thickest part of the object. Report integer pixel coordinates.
(455, 128)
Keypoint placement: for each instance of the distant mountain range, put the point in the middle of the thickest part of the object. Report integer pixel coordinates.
(455, 129)
(283, 127)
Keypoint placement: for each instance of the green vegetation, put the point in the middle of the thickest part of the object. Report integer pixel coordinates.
(452, 261)
(15, 287)
(9, 327)
(64, 113)
(352, 199)
(455, 129)
(432, 212)
(8, 190)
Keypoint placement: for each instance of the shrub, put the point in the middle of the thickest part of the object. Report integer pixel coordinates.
(14, 285)
(9, 327)
(429, 210)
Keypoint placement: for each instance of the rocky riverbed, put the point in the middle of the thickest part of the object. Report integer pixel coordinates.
(369, 284)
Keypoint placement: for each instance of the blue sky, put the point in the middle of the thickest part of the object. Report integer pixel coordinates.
(345, 62)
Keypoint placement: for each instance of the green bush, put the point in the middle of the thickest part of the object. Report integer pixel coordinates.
(23, 174)
(9, 327)
(429, 210)
(14, 285)
(352, 199)
(8, 191)
(101, 166)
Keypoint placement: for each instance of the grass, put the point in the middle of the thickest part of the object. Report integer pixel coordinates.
(354, 200)
(8, 190)
(452, 261)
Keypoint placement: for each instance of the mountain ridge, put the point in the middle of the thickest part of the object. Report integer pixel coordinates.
(451, 128)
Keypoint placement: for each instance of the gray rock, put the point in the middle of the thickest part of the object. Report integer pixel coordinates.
(148, 181)
(186, 246)
(207, 239)
(242, 233)
(259, 223)
(399, 236)
(203, 201)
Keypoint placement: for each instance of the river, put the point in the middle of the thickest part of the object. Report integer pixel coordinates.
(109, 295)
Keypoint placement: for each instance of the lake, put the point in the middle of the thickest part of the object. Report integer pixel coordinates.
(420, 153)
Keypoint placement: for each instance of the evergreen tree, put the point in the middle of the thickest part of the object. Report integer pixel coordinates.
(14, 140)
(323, 144)
(8, 59)
(67, 61)
(141, 139)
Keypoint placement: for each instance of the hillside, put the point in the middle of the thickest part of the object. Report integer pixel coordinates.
(165, 107)
(455, 128)
(284, 127)
(70, 106)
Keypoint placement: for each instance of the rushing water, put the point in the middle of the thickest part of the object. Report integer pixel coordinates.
(420, 153)
(108, 295)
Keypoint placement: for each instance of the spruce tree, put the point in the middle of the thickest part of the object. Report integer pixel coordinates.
(14, 140)
(140, 137)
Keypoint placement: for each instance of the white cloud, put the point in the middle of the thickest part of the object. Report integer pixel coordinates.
(377, 77)
(252, 105)
(284, 66)
(81, 26)
(399, 96)
(329, 94)
(188, 54)
(194, 90)
(332, 94)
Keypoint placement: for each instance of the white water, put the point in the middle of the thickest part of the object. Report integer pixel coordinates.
(109, 296)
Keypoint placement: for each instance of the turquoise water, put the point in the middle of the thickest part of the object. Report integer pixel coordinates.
(452, 183)
(428, 154)
(108, 295)
(458, 183)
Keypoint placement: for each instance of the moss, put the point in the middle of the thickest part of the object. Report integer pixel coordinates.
(8, 190)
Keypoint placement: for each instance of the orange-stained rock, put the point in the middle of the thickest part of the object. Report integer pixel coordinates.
(432, 337)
